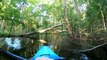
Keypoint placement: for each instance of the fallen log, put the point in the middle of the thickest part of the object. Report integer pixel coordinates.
(45, 30)
(32, 35)
(29, 34)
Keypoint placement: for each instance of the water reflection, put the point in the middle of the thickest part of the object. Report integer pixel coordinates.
(83, 57)
(28, 47)
(24, 47)
(60, 43)
(15, 44)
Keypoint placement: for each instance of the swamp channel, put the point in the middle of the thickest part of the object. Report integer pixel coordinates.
(60, 43)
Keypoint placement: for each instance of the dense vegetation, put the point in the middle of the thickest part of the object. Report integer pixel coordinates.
(82, 19)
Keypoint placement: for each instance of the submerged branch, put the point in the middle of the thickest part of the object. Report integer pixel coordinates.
(86, 50)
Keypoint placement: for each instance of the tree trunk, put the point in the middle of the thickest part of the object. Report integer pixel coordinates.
(78, 17)
(66, 18)
(103, 20)
(2, 25)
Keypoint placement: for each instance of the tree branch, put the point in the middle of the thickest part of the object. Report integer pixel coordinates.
(44, 30)
(86, 50)
(67, 23)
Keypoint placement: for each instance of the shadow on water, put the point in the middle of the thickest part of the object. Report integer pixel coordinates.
(60, 43)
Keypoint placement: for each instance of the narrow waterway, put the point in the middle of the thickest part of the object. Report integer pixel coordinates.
(60, 43)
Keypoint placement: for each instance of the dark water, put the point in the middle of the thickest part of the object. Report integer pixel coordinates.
(21, 46)
(60, 43)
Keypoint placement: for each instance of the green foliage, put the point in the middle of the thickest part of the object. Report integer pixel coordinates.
(31, 15)
(4, 33)
(94, 15)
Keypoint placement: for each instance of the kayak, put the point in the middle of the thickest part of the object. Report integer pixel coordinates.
(43, 53)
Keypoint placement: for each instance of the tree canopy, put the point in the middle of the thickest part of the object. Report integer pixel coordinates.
(78, 17)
